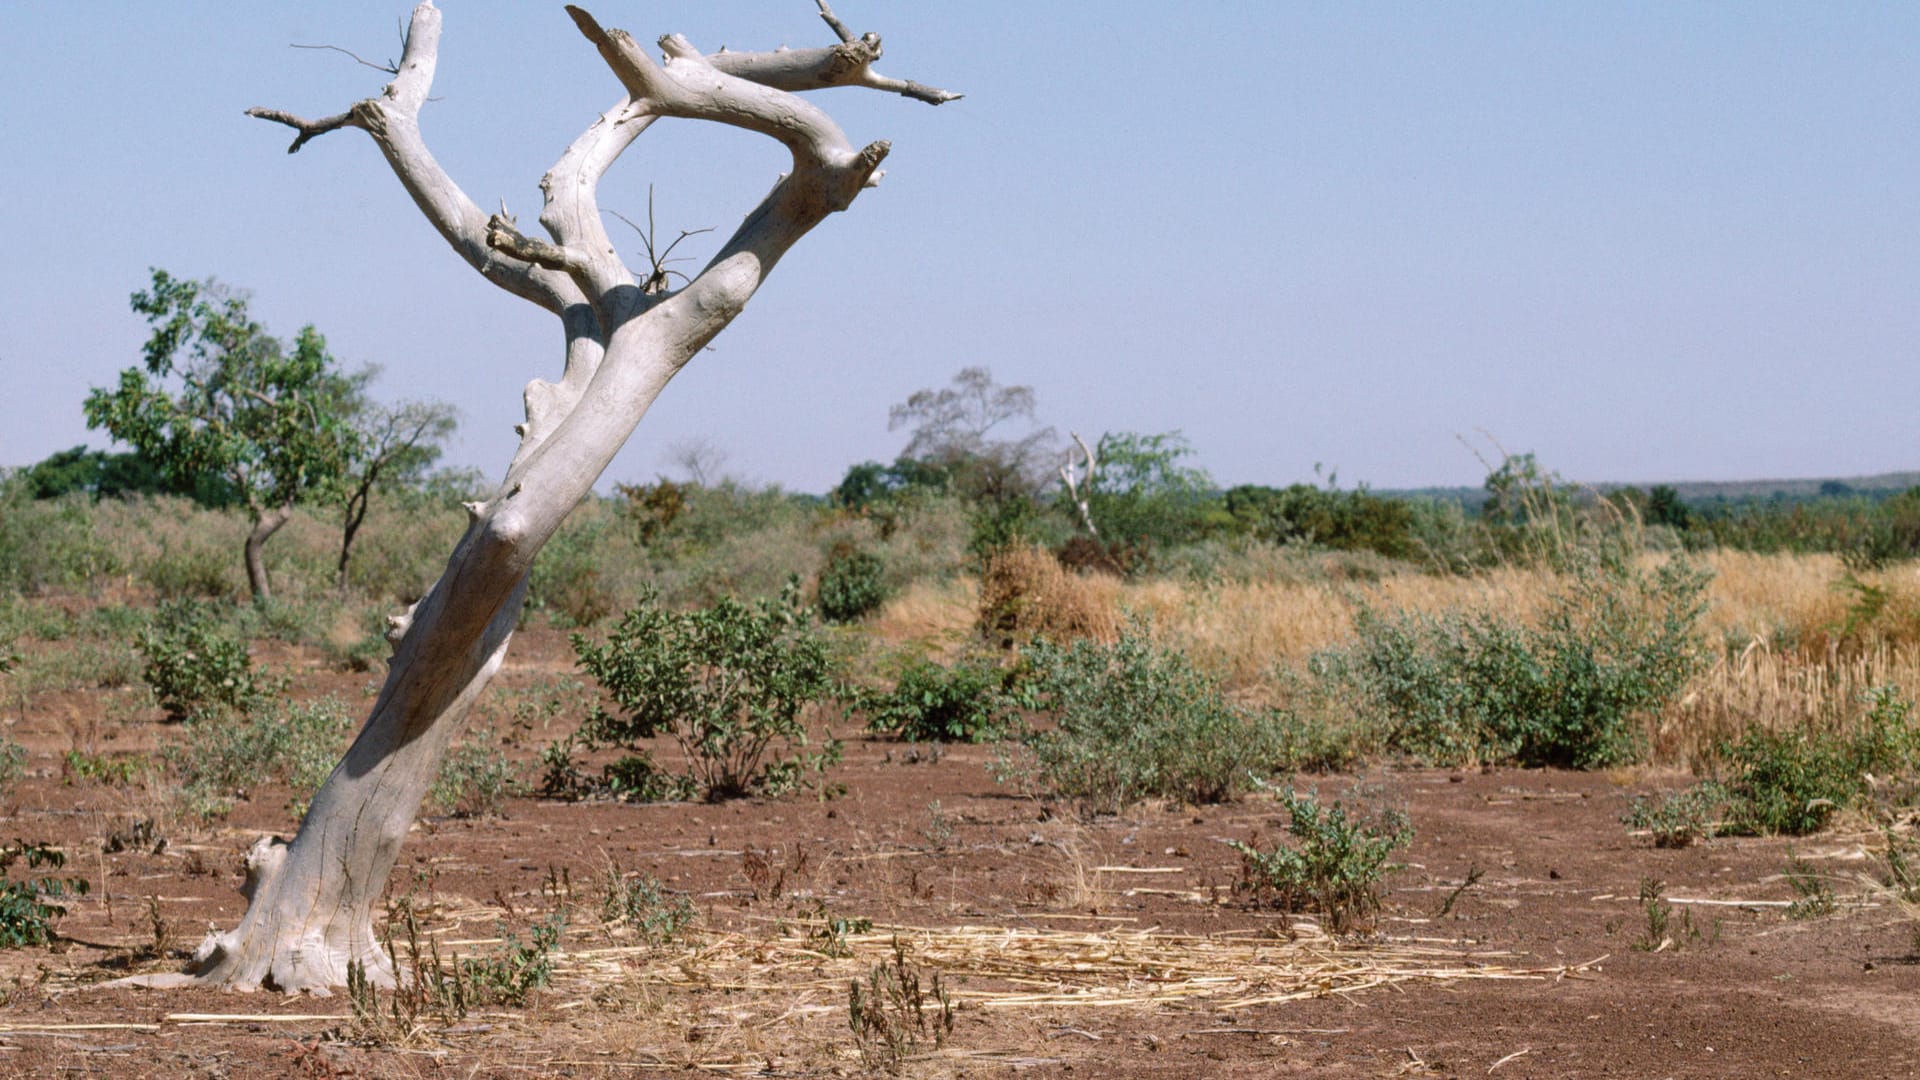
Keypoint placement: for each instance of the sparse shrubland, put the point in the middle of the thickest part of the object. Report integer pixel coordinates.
(1276, 629)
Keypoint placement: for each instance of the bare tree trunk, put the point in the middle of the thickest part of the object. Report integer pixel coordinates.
(265, 524)
(354, 516)
(309, 914)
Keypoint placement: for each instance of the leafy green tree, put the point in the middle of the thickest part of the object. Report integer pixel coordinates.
(1356, 520)
(1143, 493)
(220, 397)
(109, 475)
(1665, 507)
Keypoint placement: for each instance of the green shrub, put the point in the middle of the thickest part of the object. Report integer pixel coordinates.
(1343, 520)
(191, 570)
(13, 763)
(1792, 782)
(49, 544)
(729, 683)
(852, 584)
(1134, 721)
(28, 907)
(475, 779)
(194, 663)
(1615, 643)
(1788, 783)
(969, 702)
(566, 576)
(637, 902)
(1677, 818)
(1335, 865)
(226, 755)
(635, 778)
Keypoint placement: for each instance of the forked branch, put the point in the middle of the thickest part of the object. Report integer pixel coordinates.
(393, 120)
(1075, 491)
(849, 63)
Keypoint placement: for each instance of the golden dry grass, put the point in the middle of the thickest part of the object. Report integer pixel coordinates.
(1794, 646)
(1026, 593)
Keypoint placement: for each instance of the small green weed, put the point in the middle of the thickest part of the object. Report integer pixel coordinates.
(510, 976)
(28, 907)
(1678, 818)
(1334, 868)
(891, 1013)
(637, 902)
(113, 770)
(13, 763)
(476, 779)
(830, 936)
(1813, 896)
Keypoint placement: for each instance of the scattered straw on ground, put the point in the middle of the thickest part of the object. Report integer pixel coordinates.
(1000, 967)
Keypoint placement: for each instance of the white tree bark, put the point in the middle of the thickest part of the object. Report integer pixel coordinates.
(310, 902)
(1079, 491)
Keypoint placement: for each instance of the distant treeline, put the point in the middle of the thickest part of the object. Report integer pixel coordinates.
(1150, 504)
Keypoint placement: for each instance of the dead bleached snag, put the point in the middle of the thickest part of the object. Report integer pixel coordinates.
(310, 902)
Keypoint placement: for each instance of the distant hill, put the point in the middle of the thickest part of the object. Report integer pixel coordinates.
(1699, 491)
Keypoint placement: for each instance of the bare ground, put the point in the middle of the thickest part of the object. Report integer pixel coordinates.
(1117, 947)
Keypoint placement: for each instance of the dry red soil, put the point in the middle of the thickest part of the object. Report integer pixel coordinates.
(1116, 947)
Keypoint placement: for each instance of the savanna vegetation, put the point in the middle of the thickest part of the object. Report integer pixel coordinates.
(1148, 638)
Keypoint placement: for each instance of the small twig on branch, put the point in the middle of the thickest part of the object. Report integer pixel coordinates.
(833, 20)
(307, 128)
(389, 67)
(657, 280)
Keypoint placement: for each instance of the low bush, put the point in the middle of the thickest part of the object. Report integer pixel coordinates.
(1615, 644)
(1335, 865)
(1134, 721)
(1676, 819)
(971, 701)
(729, 683)
(227, 755)
(1792, 783)
(852, 584)
(475, 779)
(29, 906)
(194, 663)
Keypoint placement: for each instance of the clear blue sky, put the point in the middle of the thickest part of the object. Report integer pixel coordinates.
(1646, 241)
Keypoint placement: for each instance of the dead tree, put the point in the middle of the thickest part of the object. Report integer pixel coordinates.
(309, 913)
(1077, 490)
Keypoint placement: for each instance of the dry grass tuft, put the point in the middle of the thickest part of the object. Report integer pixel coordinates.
(1026, 593)
(936, 616)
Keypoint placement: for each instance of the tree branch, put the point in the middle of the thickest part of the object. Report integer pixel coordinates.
(849, 63)
(392, 119)
(307, 128)
(1074, 491)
